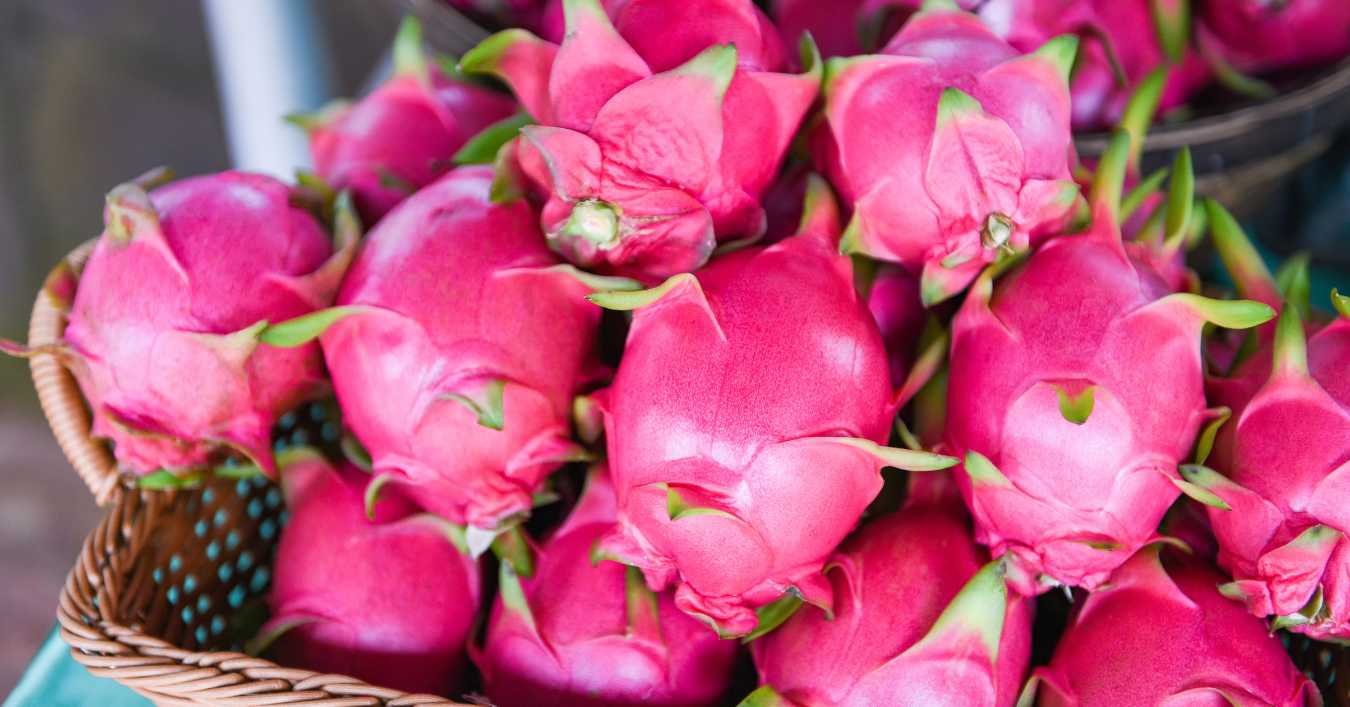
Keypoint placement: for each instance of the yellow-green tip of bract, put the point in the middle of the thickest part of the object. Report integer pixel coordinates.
(1060, 51)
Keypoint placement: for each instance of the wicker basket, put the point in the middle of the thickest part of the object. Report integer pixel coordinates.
(170, 584)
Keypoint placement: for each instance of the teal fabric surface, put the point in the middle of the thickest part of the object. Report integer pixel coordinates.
(54, 679)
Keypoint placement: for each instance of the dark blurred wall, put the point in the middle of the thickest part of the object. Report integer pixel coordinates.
(93, 92)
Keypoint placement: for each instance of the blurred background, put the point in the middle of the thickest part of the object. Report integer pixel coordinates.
(93, 93)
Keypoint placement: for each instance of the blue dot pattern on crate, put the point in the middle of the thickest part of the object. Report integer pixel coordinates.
(268, 529)
(225, 571)
(200, 528)
(220, 517)
(200, 634)
(217, 625)
(260, 579)
(237, 596)
(213, 551)
(172, 594)
(190, 583)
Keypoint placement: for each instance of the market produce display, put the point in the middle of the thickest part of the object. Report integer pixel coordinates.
(679, 367)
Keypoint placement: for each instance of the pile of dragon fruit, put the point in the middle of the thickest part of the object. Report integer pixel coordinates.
(626, 323)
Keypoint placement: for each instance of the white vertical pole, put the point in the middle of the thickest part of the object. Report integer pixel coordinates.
(269, 61)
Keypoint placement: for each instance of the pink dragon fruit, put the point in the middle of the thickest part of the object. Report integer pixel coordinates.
(893, 298)
(1161, 634)
(646, 172)
(847, 27)
(1261, 35)
(390, 600)
(743, 425)
(584, 634)
(534, 14)
(164, 328)
(404, 134)
(916, 621)
(1279, 507)
(936, 145)
(1123, 41)
(1076, 388)
(462, 291)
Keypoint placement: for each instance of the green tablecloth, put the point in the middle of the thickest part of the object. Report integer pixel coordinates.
(54, 679)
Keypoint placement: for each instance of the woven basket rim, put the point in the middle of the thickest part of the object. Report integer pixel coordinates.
(59, 395)
(160, 670)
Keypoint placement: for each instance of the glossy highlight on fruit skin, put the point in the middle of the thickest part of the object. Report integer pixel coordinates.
(164, 324)
(950, 146)
(589, 633)
(1161, 634)
(461, 346)
(744, 424)
(1076, 390)
(656, 135)
(917, 621)
(404, 134)
(389, 599)
(1281, 467)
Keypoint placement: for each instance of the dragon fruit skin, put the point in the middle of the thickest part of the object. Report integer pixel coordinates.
(584, 634)
(1259, 35)
(1113, 33)
(630, 188)
(1280, 465)
(1072, 418)
(464, 292)
(1283, 537)
(1161, 634)
(894, 302)
(404, 134)
(738, 388)
(950, 147)
(390, 600)
(916, 622)
(844, 27)
(646, 26)
(163, 328)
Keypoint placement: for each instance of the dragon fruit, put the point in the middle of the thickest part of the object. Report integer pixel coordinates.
(652, 145)
(404, 134)
(744, 424)
(1278, 508)
(1161, 634)
(1076, 387)
(1122, 42)
(461, 290)
(893, 298)
(847, 27)
(165, 320)
(581, 634)
(951, 147)
(390, 600)
(917, 621)
(1261, 35)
